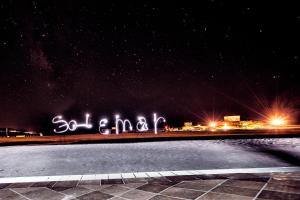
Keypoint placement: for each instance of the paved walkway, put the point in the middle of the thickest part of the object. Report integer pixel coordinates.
(244, 186)
(107, 158)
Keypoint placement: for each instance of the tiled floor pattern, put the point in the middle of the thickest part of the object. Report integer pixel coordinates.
(283, 186)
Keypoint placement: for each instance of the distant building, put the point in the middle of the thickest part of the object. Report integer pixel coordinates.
(188, 126)
(232, 118)
(232, 122)
(10, 132)
(235, 122)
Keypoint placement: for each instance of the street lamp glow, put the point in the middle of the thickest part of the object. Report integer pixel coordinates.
(281, 113)
(278, 121)
(226, 126)
(212, 124)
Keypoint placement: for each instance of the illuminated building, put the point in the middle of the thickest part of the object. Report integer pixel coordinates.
(233, 122)
(232, 118)
(10, 132)
(188, 126)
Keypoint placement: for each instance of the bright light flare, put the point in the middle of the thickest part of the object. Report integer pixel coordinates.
(278, 121)
(226, 126)
(212, 124)
(280, 113)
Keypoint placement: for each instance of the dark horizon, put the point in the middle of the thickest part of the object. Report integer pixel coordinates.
(184, 61)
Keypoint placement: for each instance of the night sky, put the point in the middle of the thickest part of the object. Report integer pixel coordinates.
(182, 60)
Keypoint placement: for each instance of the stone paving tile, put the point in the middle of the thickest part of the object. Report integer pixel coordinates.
(231, 186)
(265, 194)
(8, 194)
(63, 185)
(236, 190)
(285, 182)
(195, 185)
(283, 188)
(20, 185)
(211, 182)
(76, 191)
(138, 195)
(151, 187)
(43, 193)
(135, 180)
(24, 190)
(95, 187)
(250, 177)
(287, 175)
(263, 180)
(112, 181)
(115, 190)
(182, 193)
(89, 182)
(66, 184)
(181, 178)
(244, 184)
(134, 185)
(4, 185)
(161, 197)
(96, 195)
(211, 176)
(58, 189)
(165, 183)
(219, 196)
(160, 180)
(44, 184)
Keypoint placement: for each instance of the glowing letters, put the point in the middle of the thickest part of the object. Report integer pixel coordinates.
(156, 120)
(64, 124)
(71, 126)
(141, 124)
(102, 124)
(123, 125)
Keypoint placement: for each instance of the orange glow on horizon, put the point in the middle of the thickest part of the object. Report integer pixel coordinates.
(226, 127)
(281, 112)
(278, 121)
(212, 124)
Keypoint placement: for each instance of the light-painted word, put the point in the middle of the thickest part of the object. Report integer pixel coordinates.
(72, 125)
(123, 125)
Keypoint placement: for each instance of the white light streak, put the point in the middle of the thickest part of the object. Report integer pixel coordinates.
(63, 127)
(102, 123)
(156, 120)
(72, 125)
(123, 123)
(142, 124)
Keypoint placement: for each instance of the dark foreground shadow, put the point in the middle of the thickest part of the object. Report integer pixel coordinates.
(283, 155)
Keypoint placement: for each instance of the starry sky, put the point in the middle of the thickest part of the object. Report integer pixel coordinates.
(183, 60)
